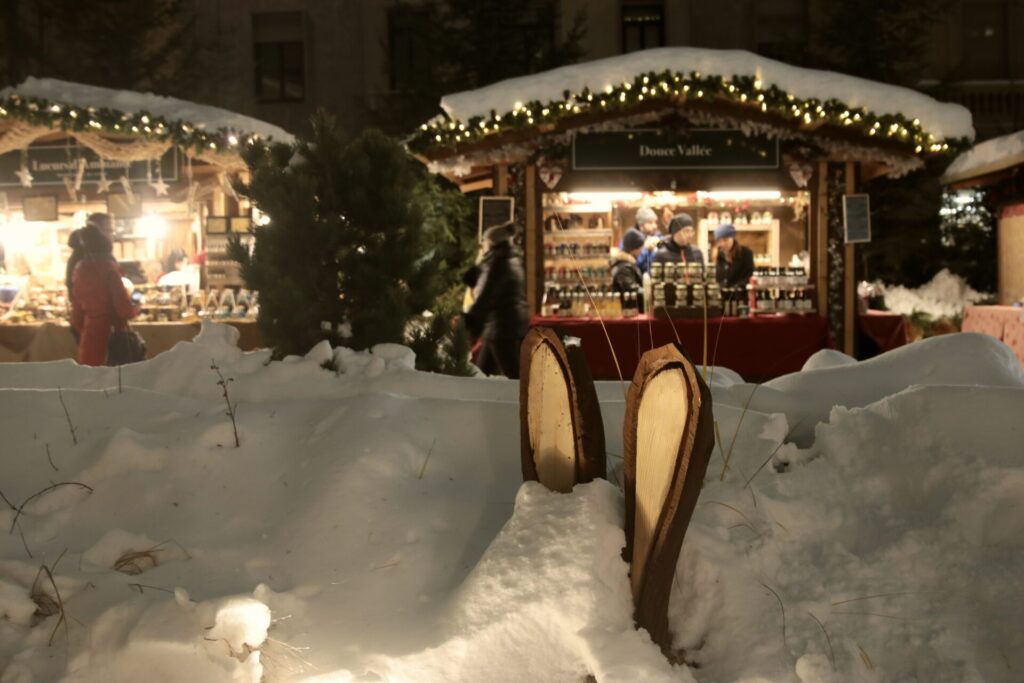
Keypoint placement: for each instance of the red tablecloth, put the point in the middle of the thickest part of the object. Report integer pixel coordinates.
(1005, 323)
(888, 330)
(758, 348)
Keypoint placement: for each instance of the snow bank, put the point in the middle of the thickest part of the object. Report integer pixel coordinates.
(373, 526)
(987, 157)
(202, 116)
(945, 296)
(943, 120)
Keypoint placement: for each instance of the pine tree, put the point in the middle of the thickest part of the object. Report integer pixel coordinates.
(344, 255)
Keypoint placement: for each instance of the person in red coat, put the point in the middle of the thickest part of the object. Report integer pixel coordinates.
(99, 300)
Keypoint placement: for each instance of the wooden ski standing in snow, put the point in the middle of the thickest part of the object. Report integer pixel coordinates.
(561, 431)
(669, 437)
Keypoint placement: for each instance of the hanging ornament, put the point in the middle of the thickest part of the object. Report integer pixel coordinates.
(103, 186)
(229, 189)
(69, 185)
(127, 185)
(160, 187)
(79, 174)
(24, 176)
(191, 201)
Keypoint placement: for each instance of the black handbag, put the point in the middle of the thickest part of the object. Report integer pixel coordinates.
(124, 346)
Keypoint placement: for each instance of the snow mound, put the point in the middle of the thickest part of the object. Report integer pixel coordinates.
(945, 296)
(943, 120)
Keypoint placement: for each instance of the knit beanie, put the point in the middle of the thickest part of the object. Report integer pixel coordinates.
(678, 222)
(633, 239)
(646, 215)
(500, 234)
(725, 230)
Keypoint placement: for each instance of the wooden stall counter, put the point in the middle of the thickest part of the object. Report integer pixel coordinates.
(758, 348)
(48, 341)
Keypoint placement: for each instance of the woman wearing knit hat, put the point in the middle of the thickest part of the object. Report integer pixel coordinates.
(735, 262)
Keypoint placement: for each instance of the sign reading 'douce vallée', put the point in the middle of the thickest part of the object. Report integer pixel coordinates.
(50, 162)
(654, 149)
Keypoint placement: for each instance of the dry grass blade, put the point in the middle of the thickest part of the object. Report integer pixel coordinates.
(732, 444)
(895, 617)
(718, 440)
(47, 605)
(140, 586)
(783, 608)
(71, 426)
(831, 652)
(135, 562)
(878, 595)
(37, 494)
(737, 511)
(769, 459)
(867, 660)
(423, 470)
(50, 458)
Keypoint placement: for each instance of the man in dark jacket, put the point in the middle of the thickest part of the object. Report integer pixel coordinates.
(626, 276)
(679, 247)
(498, 314)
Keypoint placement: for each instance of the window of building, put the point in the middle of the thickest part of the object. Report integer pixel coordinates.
(783, 29)
(985, 40)
(408, 60)
(279, 57)
(643, 27)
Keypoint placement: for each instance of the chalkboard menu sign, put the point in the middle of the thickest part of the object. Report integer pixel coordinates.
(494, 211)
(857, 218)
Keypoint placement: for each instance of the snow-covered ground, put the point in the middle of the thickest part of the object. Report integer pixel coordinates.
(945, 296)
(372, 526)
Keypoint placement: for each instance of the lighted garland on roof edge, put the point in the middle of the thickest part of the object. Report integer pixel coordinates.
(58, 115)
(667, 85)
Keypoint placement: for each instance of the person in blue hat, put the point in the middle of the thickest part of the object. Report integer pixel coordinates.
(735, 263)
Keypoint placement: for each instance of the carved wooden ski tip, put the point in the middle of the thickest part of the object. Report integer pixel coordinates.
(561, 430)
(669, 436)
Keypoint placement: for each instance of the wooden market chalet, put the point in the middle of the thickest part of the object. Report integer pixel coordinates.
(696, 126)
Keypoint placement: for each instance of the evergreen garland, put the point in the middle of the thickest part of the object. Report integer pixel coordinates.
(443, 133)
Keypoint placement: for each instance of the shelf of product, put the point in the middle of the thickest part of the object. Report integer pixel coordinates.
(577, 238)
(566, 301)
(687, 290)
(781, 290)
(222, 271)
(20, 304)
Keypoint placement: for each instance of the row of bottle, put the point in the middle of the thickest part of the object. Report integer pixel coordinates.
(576, 302)
(779, 277)
(574, 221)
(682, 273)
(678, 295)
(576, 249)
(568, 273)
(783, 300)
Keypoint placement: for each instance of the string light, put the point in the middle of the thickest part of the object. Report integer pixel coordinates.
(741, 90)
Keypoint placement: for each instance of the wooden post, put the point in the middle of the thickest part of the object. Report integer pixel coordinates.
(501, 180)
(533, 245)
(849, 274)
(820, 255)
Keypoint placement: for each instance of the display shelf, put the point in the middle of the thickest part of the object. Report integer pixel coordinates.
(585, 232)
(706, 228)
(578, 208)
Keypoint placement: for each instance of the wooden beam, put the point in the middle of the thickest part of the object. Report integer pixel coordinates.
(533, 244)
(820, 228)
(475, 185)
(849, 273)
(501, 180)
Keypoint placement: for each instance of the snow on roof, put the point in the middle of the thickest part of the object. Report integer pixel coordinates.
(200, 116)
(987, 157)
(943, 120)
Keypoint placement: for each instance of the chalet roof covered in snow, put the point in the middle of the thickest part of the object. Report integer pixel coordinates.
(767, 92)
(991, 156)
(151, 122)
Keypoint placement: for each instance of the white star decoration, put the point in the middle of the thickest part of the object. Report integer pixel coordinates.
(24, 176)
(102, 185)
(160, 187)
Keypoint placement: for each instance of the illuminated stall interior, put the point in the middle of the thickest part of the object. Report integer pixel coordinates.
(162, 168)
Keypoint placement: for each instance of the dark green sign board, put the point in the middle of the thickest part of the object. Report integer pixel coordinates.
(857, 218)
(654, 149)
(50, 162)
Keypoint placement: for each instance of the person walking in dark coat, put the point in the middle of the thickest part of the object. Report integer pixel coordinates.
(498, 315)
(625, 271)
(99, 299)
(679, 247)
(735, 262)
